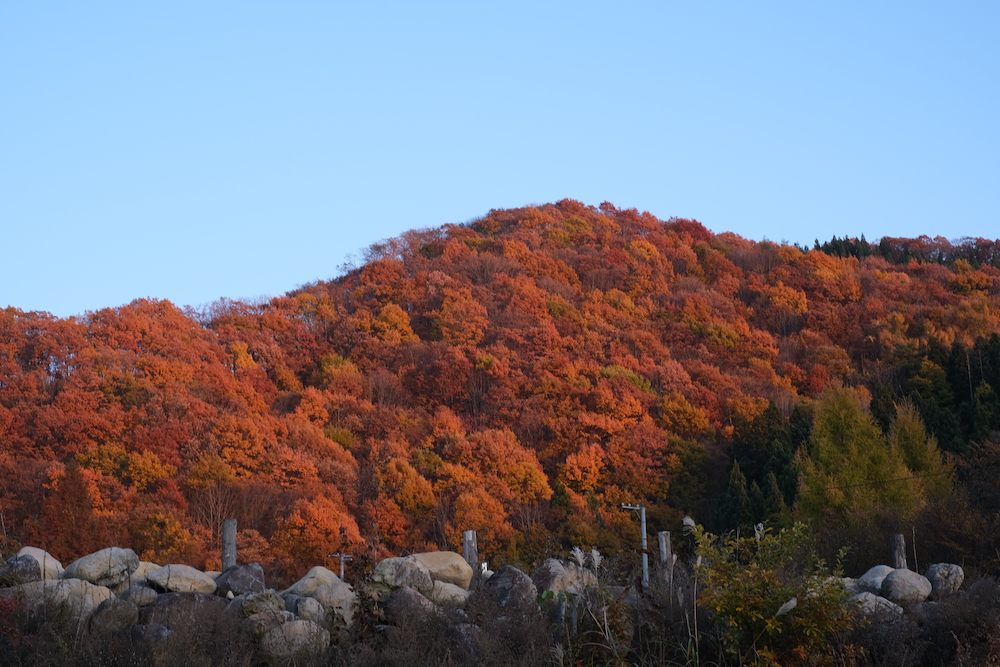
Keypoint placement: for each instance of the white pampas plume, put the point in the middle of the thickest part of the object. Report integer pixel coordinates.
(787, 607)
(578, 556)
(596, 558)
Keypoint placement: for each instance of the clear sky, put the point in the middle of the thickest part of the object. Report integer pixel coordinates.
(194, 150)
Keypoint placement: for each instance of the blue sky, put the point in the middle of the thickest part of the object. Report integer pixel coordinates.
(195, 150)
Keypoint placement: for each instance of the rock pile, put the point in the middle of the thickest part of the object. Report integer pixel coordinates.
(889, 592)
(112, 593)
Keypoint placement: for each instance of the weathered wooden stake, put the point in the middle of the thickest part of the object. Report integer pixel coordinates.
(228, 544)
(666, 556)
(470, 550)
(644, 550)
(899, 551)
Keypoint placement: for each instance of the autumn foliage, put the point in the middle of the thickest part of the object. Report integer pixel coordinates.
(521, 374)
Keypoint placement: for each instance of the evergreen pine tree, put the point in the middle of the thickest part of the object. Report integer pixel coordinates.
(735, 510)
(775, 509)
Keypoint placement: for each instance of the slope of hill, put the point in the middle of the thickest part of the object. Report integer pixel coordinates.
(522, 375)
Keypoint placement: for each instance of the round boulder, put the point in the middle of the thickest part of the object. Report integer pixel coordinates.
(260, 623)
(406, 606)
(398, 572)
(875, 606)
(138, 577)
(50, 567)
(19, 570)
(255, 603)
(871, 580)
(444, 593)
(113, 615)
(310, 609)
(140, 595)
(185, 610)
(849, 584)
(298, 642)
(180, 579)
(241, 579)
(945, 579)
(446, 566)
(905, 587)
(107, 567)
(75, 597)
(510, 587)
(328, 589)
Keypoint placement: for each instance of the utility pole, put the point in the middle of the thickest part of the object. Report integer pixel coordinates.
(343, 558)
(641, 509)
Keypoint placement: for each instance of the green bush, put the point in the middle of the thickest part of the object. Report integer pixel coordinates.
(771, 600)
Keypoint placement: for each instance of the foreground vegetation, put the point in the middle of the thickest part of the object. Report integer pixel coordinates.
(761, 599)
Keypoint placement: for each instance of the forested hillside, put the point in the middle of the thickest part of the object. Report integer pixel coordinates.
(522, 375)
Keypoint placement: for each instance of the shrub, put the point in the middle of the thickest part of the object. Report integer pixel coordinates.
(772, 601)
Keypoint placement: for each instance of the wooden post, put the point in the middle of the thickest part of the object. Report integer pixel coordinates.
(471, 552)
(228, 544)
(666, 556)
(899, 551)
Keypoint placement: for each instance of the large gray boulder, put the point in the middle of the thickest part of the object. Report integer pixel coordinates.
(558, 577)
(945, 578)
(398, 572)
(75, 597)
(241, 579)
(182, 611)
(107, 567)
(50, 567)
(447, 594)
(877, 607)
(406, 606)
(150, 633)
(296, 642)
(138, 577)
(256, 603)
(140, 595)
(510, 588)
(19, 570)
(113, 615)
(905, 587)
(849, 584)
(310, 609)
(871, 580)
(329, 590)
(446, 566)
(145, 567)
(260, 623)
(180, 579)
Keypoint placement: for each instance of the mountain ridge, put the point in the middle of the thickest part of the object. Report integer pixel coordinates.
(520, 374)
